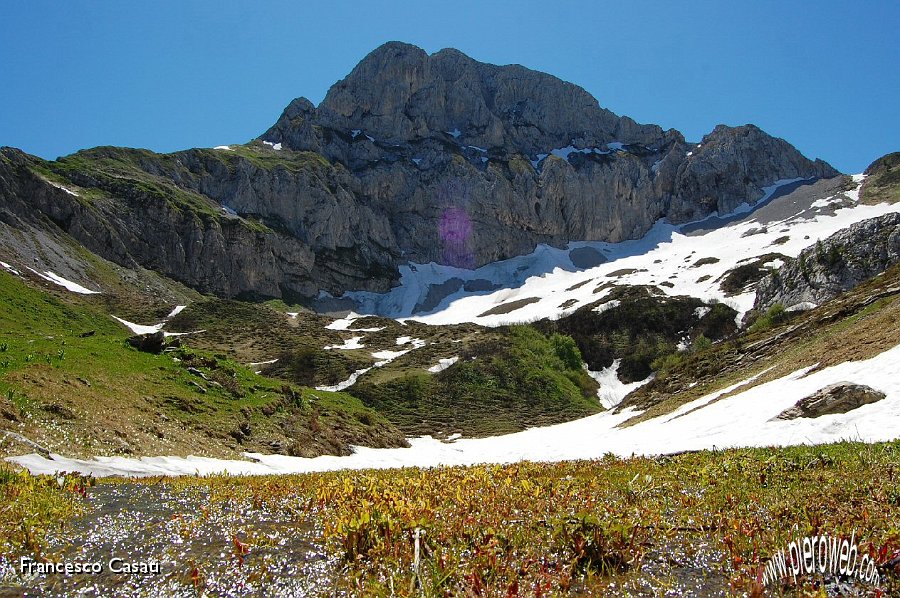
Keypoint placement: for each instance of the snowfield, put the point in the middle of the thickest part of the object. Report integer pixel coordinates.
(67, 284)
(688, 259)
(665, 257)
(740, 420)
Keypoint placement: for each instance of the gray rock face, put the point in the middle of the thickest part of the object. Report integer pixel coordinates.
(427, 134)
(840, 397)
(837, 264)
(412, 157)
(224, 256)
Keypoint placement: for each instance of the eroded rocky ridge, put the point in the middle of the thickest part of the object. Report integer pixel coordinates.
(833, 265)
(412, 157)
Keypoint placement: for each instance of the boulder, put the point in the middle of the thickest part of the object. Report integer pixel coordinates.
(153, 342)
(835, 398)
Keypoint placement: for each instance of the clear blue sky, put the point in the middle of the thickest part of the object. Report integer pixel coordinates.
(171, 75)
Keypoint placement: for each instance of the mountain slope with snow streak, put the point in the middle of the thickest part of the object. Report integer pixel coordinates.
(687, 259)
(741, 419)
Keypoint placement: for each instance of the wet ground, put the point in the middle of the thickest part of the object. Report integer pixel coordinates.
(193, 545)
(200, 546)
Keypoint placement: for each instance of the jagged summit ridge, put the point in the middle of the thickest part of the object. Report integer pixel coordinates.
(401, 94)
(411, 158)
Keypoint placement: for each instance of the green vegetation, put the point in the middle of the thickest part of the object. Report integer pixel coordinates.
(773, 316)
(697, 523)
(32, 505)
(126, 173)
(503, 382)
(669, 361)
(857, 325)
(736, 280)
(883, 182)
(265, 157)
(69, 381)
(643, 328)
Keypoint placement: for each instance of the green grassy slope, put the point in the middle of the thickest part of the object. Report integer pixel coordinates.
(505, 380)
(69, 381)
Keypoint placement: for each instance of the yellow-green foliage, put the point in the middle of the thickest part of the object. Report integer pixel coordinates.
(592, 526)
(31, 505)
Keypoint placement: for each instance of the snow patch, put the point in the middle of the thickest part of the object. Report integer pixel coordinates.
(607, 306)
(9, 268)
(140, 328)
(346, 383)
(224, 147)
(612, 390)
(345, 322)
(254, 365)
(701, 311)
(64, 188)
(387, 356)
(177, 310)
(549, 274)
(68, 284)
(741, 420)
(802, 306)
(349, 344)
(443, 364)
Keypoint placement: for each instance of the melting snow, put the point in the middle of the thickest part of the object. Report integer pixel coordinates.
(255, 364)
(177, 310)
(140, 328)
(607, 306)
(9, 268)
(224, 147)
(68, 284)
(802, 306)
(64, 188)
(351, 343)
(275, 146)
(345, 322)
(455, 133)
(744, 419)
(443, 364)
(612, 390)
(346, 383)
(388, 355)
(550, 275)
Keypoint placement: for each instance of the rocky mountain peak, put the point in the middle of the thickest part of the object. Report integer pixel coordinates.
(411, 158)
(400, 94)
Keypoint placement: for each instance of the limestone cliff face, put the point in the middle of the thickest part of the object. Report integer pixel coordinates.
(411, 157)
(834, 265)
(427, 133)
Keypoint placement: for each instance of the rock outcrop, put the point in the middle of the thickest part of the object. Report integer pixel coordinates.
(834, 398)
(882, 181)
(834, 265)
(412, 157)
